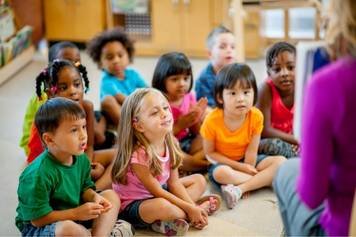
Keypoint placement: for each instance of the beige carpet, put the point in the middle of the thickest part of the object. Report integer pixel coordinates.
(257, 215)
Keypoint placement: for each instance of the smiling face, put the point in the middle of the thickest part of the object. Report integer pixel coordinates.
(114, 59)
(70, 138)
(177, 86)
(154, 119)
(238, 100)
(223, 51)
(70, 84)
(282, 71)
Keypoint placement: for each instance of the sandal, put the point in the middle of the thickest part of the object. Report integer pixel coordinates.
(214, 203)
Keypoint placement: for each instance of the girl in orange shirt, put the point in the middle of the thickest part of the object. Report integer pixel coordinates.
(231, 135)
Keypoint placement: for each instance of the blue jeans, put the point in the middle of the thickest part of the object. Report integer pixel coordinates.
(47, 230)
(297, 218)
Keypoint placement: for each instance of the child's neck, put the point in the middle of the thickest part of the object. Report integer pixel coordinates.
(62, 157)
(216, 68)
(159, 146)
(176, 101)
(233, 122)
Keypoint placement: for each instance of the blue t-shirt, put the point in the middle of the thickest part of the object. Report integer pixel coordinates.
(112, 85)
(204, 86)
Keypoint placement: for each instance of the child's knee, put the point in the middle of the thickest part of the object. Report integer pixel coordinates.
(220, 173)
(278, 160)
(199, 180)
(109, 102)
(168, 209)
(70, 228)
(112, 197)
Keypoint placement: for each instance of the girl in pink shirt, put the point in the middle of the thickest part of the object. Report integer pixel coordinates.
(145, 172)
(173, 76)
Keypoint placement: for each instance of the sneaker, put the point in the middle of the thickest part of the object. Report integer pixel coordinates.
(178, 227)
(231, 194)
(122, 229)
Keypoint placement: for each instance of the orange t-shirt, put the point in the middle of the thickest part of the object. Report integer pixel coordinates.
(232, 144)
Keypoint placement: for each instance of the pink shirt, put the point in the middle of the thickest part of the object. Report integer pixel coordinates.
(134, 189)
(182, 109)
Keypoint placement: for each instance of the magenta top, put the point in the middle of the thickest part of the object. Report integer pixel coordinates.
(328, 148)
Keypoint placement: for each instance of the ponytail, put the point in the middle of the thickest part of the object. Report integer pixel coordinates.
(42, 78)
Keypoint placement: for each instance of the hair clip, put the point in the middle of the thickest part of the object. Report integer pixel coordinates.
(53, 90)
(77, 64)
(134, 120)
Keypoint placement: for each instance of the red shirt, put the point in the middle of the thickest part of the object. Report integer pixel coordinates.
(281, 116)
(35, 147)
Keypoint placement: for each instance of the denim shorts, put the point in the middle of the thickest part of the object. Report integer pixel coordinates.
(47, 230)
(212, 167)
(186, 142)
(131, 213)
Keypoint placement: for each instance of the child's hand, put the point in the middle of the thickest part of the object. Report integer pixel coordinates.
(88, 211)
(199, 108)
(188, 120)
(103, 202)
(198, 217)
(249, 169)
(97, 170)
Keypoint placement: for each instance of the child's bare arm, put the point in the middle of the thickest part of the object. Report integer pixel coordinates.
(184, 121)
(176, 187)
(252, 149)
(120, 98)
(89, 110)
(87, 211)
(264, 103)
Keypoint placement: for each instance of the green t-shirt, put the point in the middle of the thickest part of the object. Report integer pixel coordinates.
(47, 185)
(33, 105)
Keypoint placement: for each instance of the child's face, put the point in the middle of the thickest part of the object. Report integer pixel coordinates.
(155, 118)
(70, 84)
(71, 54)
(238, 100)
(177, 86)
(282, 71)
(70, 138)
(114, 58)
(223, 51)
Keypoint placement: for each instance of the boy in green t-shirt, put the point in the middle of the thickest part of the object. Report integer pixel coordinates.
(56, 194)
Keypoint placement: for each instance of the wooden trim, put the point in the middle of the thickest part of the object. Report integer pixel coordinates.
(16, 64)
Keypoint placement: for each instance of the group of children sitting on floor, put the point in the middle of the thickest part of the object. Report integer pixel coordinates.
(141, 158)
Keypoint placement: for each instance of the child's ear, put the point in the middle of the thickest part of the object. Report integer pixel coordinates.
(219, 98)
(209, 53)
(137, 126)
(47, 138)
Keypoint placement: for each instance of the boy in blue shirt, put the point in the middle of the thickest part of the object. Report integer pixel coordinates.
(221, 49)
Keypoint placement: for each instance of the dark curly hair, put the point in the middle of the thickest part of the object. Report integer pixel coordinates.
(95, 46)
(276, 49)
(48, 78)
(170, 64)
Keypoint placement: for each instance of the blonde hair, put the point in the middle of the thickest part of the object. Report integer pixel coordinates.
(342, 26)
(131, 139)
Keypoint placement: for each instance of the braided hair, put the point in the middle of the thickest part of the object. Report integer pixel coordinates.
(276, 49)
(48, 78)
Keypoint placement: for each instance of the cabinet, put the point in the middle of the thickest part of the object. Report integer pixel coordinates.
(75, 20)
(179, 25)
